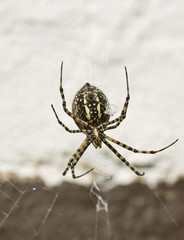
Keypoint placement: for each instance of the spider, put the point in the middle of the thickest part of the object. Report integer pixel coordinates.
(89, 111)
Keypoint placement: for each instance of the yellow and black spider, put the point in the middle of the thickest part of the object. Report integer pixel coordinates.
(89, 111)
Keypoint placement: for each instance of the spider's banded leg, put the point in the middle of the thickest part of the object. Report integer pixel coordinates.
(112, 127)
(76, 159)
(76, 156)
(121, 157)
(138, 151)
(73, 172)
(62, 124)
(64, 101)
(119, 119)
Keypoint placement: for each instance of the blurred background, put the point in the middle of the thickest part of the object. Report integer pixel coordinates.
(95, 39)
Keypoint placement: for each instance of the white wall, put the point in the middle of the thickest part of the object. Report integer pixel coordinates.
(95, 39)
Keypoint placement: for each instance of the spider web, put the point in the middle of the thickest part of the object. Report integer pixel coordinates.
(102, 213)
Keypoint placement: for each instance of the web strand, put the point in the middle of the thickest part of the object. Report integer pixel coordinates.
(101, 208)
(171, 217)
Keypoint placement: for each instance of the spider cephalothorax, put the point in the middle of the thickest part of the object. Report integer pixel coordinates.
(95, 135)
(89, 111)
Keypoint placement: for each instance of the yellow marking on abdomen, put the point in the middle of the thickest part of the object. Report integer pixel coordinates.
(98, 109)
(87, 110)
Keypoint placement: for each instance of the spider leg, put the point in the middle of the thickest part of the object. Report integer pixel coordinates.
(62, 124)
(112, 127)
(75, 158)
(73, 172)
(64, 101)
(119, 119)
(138, 151)
(121, 157)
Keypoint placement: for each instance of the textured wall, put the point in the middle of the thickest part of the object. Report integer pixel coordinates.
(95, 40)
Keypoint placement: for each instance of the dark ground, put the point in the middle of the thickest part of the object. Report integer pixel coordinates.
(31, 211)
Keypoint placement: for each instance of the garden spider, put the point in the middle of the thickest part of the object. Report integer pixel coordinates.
(89, 111)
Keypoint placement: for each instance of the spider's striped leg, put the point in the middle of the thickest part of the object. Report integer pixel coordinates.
(112, 127)
(73, 172)
(119, 119)
(75, 158)
(64, 101)
(62, 124)
(121, 157)
(138, 151)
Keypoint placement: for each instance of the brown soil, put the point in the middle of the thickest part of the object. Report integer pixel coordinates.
(31, 211)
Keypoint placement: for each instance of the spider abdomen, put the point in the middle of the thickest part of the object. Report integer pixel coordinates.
(90, 105)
